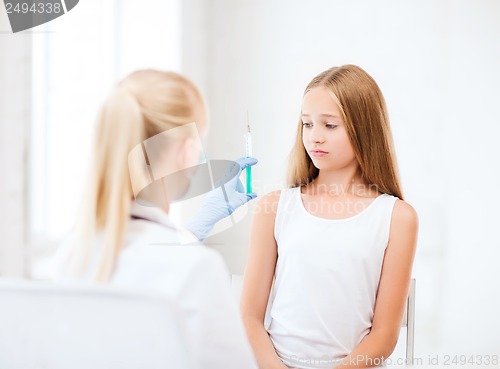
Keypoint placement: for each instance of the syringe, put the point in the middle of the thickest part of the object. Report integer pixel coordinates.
(248, 153)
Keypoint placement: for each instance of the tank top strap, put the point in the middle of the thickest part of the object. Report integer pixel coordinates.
(385, 210)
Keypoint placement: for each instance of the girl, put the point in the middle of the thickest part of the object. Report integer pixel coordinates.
(339, 242)
(119, 242)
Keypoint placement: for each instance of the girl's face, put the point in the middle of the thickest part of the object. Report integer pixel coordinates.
(324, 133)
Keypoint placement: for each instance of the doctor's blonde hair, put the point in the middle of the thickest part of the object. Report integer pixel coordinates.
(364, 112)
(145, 103)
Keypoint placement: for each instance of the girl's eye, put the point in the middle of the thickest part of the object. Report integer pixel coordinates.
(328, 125)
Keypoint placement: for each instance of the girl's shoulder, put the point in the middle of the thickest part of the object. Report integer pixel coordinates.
(403, 210)
(403, 232)
(271, 199)
(268, 203)
(404, 216)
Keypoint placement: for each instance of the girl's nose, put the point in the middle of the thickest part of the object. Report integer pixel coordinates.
(317, 136)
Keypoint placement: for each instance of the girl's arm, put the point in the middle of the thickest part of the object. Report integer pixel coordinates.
(392, 291)
(258, 279)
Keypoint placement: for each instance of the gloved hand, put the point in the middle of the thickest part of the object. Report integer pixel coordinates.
(216, 207)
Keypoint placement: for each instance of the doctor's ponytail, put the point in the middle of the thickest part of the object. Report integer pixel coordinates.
(145, 103)
(106, 202)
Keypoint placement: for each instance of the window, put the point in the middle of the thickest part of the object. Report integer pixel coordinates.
(76, 60)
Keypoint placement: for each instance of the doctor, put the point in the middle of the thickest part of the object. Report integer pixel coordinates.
(119, 242)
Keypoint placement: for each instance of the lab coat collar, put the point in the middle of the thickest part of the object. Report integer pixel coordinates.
(156, 215)
(151, 213)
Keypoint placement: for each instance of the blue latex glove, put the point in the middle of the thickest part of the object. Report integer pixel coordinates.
(216, 207)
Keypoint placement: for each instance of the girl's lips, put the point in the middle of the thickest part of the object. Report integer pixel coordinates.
(318, 153)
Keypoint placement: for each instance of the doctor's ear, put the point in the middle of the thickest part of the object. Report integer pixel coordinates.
(188, 154)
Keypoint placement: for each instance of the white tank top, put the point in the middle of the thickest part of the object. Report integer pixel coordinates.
(327, 276)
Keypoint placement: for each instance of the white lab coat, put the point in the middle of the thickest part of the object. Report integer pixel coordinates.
(152, 259)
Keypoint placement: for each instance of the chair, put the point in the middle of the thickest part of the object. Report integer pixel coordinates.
(409, 322)
(60, 327)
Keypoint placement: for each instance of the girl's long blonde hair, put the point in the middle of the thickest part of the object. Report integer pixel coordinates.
(145, 103)
(365, 115)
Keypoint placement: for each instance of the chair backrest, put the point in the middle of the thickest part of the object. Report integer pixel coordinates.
(60, 327)
(409, 322)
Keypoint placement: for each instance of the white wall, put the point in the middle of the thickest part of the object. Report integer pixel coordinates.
(471, 292)
(437, 64)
